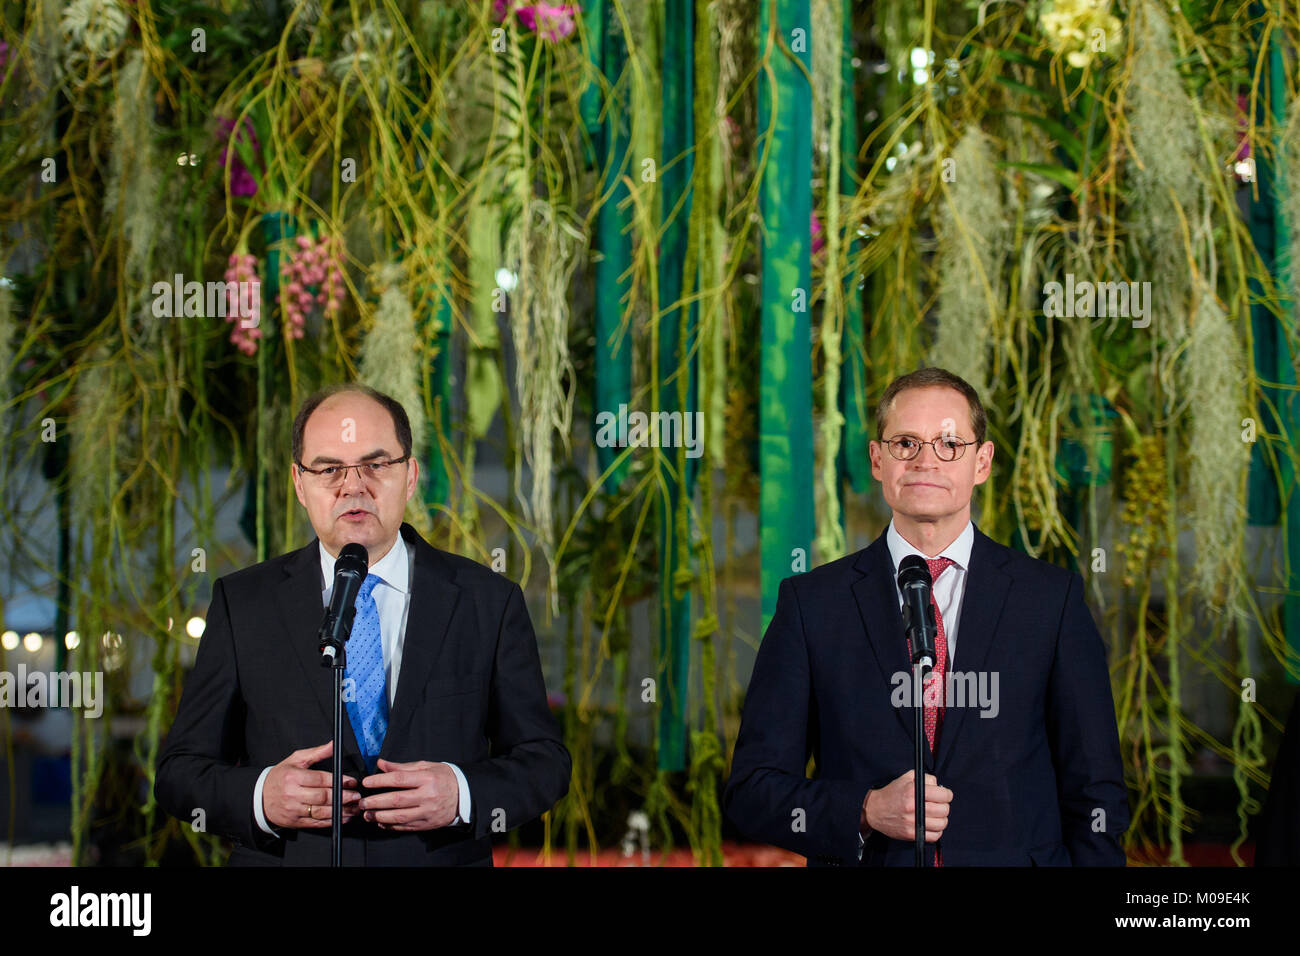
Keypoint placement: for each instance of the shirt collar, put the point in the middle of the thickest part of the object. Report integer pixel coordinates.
(958, 551)
(393, 568)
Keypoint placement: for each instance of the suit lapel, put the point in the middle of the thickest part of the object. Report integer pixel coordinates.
(987, 585)
(301, 611)
(433, 601)
(877, 596)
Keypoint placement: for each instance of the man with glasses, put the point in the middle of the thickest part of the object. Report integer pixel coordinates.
(1022, 761)
(448, 737)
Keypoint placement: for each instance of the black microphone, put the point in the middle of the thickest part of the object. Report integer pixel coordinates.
(349, 574)
(918, 613)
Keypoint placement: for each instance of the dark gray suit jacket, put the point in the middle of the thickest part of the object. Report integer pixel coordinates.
(470, 692)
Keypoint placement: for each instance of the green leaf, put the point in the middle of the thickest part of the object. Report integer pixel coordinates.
(1066, 177)
(1023, 88)
(1072, 145)
(1015, 56)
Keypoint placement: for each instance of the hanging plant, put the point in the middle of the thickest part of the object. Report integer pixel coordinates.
(372, 55)
(1079, 29)
(91, 31)
(311, 282)
(242, 182)
(241, 269)
(542, 251)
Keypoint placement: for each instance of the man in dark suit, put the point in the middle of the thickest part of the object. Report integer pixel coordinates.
(448, 731)
(1022, 762)
(1277, 828)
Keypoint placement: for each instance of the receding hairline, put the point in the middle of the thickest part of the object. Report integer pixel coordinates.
(936, 386)
(326, 396)
(349, 393)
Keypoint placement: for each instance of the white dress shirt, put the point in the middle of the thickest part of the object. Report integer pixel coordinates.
(393, 599)
(947, 591)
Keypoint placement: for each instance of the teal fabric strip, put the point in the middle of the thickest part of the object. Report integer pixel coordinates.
(595, 19)
(854, 459)
(1283, 369)
(785, 391)
(613, 353)
(436, 307)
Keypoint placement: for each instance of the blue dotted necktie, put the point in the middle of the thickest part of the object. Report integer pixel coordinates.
(368, 711)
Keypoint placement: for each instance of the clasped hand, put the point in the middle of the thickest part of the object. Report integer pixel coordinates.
(421, 795)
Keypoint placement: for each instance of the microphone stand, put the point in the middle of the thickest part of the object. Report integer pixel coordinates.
(919, 623)
(334, 655)
(920, 664)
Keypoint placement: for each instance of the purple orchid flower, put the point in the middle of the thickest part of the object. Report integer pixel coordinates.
(242, 182)
(550, 21)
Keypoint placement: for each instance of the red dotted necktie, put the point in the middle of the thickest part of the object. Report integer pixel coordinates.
(934, 715)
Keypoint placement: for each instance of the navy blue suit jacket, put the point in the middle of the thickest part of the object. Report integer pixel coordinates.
(1040, 783)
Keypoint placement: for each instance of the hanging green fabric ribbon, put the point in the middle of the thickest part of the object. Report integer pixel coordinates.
(433, 322)
(1270, 233)
(1283, 370)
(278, 229)
(854, 459)
(613, 351)
(595, 17)
(677, 378)
(785, 392)
(1280, 369)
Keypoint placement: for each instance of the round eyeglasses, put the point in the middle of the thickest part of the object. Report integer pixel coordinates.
(946, 448)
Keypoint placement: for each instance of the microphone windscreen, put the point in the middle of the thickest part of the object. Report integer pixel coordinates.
(354, 558)
(912, 570)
